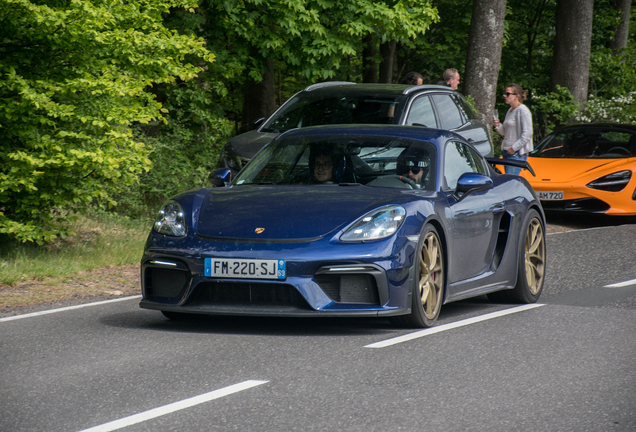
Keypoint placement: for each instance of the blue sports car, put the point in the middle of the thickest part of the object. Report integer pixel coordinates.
(353, 220)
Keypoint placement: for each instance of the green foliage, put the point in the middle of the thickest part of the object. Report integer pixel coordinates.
(527, 54)
(617, 109)
(183, 151)
(316, 35)
(552, 110)
(100, 239)
(559, 108)
(182, 159)
(73, 81)
(443, 46)
(308, 40)
(471, 103)
(612, 74)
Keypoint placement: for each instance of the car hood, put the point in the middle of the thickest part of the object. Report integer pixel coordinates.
(570, 170)
(286, 212)
(248, 144)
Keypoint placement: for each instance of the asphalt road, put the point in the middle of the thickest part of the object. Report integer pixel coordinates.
(568, 365)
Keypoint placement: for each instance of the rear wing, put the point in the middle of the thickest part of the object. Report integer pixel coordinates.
(510, 162)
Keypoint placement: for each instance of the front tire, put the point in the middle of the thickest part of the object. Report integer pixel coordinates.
(428, 286)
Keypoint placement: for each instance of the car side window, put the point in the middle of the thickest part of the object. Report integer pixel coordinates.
(448, 112)
(460, 158)
(422, 112)
(464, 108)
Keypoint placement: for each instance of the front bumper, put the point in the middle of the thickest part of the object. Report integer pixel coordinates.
(322, 285)
(582, 199)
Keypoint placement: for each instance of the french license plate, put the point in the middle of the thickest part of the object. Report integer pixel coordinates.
(245, 268)
(551, 196)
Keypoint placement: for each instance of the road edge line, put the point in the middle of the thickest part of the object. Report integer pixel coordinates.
(450, 326)
(67, 308)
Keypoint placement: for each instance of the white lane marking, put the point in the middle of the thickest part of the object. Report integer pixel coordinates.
(621, 284)
(449, 326)
(176, 406)
(62, 309)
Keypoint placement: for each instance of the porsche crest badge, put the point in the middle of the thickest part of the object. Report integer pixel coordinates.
(259, 230)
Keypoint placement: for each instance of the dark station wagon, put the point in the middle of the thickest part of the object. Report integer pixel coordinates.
(328, 103)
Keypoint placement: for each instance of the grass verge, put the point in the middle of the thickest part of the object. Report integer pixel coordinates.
(101, 258)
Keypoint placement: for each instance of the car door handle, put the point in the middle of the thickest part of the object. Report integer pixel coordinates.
(498, 208)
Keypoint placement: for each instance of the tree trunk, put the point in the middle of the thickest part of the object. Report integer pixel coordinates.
(484, 55)
(622, 31)
(387, 51)
(369, 62)
(260, 98)
(573, 41)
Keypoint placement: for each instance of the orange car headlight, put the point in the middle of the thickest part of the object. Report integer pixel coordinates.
(614, 182)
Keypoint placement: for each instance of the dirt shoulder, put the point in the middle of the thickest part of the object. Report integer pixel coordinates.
(85, 287)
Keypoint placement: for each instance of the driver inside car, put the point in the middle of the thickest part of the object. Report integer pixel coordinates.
(413, 164)
(322, 162)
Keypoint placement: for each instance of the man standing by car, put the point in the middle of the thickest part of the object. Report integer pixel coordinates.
(450, 78)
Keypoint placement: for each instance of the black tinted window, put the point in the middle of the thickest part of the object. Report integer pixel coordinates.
(448, 112)
(594, 142)
(374, 161)
(313, 109)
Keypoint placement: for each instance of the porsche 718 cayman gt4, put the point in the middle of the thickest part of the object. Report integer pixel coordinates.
(356, 220)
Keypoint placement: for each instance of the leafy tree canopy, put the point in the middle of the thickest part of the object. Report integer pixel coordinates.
(73, 79)
(314, 36)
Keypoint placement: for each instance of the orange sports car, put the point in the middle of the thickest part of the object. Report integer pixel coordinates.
(586, 168)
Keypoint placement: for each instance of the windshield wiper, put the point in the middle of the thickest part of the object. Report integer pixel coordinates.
(350, 184)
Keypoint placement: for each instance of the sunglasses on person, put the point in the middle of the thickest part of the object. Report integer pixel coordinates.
(508, 94)
(414, 169)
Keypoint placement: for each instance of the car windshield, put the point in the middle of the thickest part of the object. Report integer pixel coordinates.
(584, 143)
(314, 109)
(344, 159)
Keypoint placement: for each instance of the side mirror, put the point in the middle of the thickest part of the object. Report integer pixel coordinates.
(472, 182)
(221, 177)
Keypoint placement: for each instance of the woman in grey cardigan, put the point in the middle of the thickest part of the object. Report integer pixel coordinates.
(516, 128)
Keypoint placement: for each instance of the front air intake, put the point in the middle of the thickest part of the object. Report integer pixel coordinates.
(164, 283)
(349, 288)
(241, 293)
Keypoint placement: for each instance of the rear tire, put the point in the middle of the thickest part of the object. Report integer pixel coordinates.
(428, 284)
(531, 266)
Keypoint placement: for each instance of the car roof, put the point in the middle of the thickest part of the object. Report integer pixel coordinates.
(343, 87)
(397, 131)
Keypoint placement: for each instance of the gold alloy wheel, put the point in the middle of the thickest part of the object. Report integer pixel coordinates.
(535, 256)
(431, 276)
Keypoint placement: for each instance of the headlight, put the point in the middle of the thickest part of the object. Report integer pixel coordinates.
(614, 182)
(375, 225)
(171, 220)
